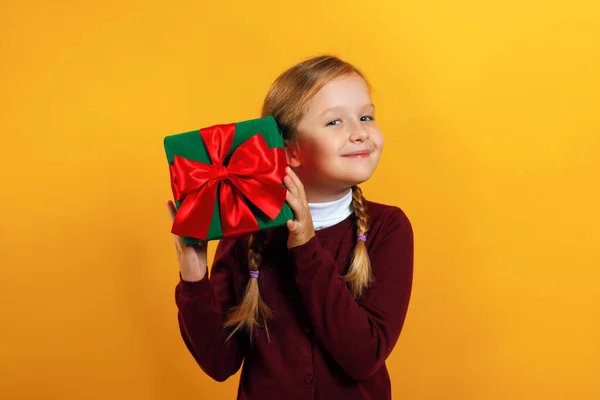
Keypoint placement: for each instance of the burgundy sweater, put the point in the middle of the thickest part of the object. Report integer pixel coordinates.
(325, 345)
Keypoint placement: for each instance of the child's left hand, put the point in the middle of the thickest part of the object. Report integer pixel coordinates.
(301, 228)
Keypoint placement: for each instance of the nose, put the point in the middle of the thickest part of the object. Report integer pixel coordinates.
(358, 133)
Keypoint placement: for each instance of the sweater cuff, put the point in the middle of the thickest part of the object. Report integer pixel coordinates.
(198, 288)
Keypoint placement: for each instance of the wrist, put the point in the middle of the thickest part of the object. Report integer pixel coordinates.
(192, 276)
(296, 243)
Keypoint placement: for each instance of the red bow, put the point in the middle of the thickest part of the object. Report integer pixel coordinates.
(254, 172)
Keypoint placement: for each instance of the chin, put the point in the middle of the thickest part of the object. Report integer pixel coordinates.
(357, 179)
(345, 177)
(359, 175)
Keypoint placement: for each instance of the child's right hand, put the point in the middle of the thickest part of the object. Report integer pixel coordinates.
(192, 259)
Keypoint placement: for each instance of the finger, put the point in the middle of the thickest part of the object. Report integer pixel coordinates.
(297, 183)
(172, 211)
(178, 244)
(293, 226)
(295, 203)
(177, 239)
(291, 186)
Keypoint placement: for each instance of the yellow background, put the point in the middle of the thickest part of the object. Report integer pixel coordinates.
(491, 115)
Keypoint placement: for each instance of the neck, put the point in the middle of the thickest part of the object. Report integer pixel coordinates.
(326, 214)
(324, 196)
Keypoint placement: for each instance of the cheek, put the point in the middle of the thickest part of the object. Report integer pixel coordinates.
(318, 150)
(377, 138)
(325, 156)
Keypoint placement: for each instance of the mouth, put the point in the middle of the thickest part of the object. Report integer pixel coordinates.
(358, 154)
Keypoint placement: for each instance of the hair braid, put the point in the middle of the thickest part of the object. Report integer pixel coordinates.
(359, 275)
(252, 312)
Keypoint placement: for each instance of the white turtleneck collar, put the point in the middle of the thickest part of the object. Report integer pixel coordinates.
(330, 213)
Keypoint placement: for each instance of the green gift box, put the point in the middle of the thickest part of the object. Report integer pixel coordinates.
(227, 180)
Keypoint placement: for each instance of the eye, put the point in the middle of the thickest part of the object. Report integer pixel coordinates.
(334, 122)
(367, 118)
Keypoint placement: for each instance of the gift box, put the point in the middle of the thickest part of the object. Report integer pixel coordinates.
(227, 180)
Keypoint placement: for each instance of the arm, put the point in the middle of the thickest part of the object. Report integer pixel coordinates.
(361, 334)
(201, 308)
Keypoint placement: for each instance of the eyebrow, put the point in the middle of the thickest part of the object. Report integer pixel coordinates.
(338, 107)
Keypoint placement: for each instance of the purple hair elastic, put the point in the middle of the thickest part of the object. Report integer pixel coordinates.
(254, 274)
(362, 237)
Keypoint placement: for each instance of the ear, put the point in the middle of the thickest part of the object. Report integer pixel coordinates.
(292, 153)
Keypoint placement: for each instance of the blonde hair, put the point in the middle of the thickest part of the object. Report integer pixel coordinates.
(286, 101)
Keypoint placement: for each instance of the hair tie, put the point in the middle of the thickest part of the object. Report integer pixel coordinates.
(254, 274)
(362, 237)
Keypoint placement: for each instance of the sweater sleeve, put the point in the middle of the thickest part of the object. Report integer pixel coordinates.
(361, 334)
(201, 306)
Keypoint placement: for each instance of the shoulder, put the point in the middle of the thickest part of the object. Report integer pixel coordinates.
(390, 242)
(385, 218)
(390, 229)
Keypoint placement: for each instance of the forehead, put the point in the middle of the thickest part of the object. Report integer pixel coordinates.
(344, 91)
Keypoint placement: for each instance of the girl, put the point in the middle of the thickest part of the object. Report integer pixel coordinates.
(315, 308)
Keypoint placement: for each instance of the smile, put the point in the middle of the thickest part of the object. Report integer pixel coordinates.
(358, 154)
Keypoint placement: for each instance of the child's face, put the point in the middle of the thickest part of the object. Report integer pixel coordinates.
(339, 142)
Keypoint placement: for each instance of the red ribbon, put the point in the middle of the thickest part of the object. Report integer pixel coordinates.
(254, 174)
